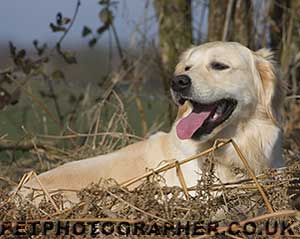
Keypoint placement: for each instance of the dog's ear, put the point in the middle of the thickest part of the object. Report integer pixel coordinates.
(272, 92)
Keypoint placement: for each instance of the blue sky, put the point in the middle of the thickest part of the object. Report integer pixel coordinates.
(25, 20)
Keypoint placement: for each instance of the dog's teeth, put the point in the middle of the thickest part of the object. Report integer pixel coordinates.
(220, 109)
(215, 116)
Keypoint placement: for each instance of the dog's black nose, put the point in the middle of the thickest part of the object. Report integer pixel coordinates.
(181, 83)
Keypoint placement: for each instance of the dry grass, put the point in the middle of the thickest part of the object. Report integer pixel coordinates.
(151, 201)
(271, 196)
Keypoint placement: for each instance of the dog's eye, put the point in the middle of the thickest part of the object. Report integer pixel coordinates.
(187, 68)
(218, 66)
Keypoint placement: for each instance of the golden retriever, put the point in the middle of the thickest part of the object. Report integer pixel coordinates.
(232, 92)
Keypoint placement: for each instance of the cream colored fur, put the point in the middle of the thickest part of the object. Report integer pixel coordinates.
(254, 125)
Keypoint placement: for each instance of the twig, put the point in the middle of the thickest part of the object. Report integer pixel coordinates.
(172, 164)
(10, 70)
(136, 208)
(22, 147)
(181, 179)
(79, 135)
(26, 177)
(23, 180)
(292, 97)
(36, 100)
(227, 21)
(216, 146)
(248, 186)
(141, 111)
(37, 152)
(46, 192)
(54, 98)
(98, 115)
(232, 236)
(9, 181)
(120, 51)
(107, 219)
(70, 26)
(252, 175)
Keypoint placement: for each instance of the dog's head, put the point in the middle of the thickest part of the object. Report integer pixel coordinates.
(220, 84)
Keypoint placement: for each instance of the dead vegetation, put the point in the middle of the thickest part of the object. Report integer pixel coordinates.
(269, 197)
(273, 196)
(151, 201)
(98, 124)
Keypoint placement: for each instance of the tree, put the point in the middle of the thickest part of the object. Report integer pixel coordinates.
(175, 35)
(243, 22)
(277, 17)
(216, 19)
(285, 38)
(230, 20)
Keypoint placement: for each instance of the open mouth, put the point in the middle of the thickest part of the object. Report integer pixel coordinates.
(204, 117)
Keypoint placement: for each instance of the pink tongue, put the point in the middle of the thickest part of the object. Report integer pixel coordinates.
(188, 125)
